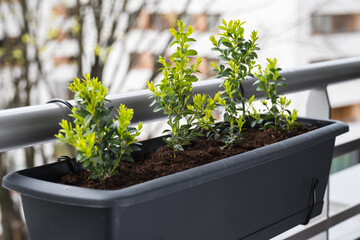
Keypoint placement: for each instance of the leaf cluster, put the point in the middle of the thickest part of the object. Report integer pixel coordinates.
(239, 55)
(100, 141)
(174, 93)
(277, 113)
(237, 52)
(173, 96)
(199, 113)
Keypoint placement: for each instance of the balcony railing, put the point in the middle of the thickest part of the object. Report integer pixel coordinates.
(32, 125)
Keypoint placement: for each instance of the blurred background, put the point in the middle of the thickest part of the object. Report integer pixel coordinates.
(45, 43)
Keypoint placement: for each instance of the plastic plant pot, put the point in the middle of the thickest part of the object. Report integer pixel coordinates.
(254, 195)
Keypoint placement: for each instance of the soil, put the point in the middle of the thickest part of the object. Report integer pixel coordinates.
(162, 162)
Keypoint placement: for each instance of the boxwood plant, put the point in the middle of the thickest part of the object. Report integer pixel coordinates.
(277, 115)
(190, 116)
(239, 55)
(173, 96)
(100, 141)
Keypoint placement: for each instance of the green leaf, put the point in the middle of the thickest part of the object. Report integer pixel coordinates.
(135, 147)
(97, 160)
(191, 52)
(127, 158)
(254, 55)
(261, 87)
(174, 42)
(253, 123)
(115, 141)
(224, 22)
(191, 78)
(216, 49)
(227, 52)
(88, 119)
(236, 55)
(82, 113)
(175, 55)
(227, 44)
(153, 103)
(86, 163)
(178, 147)
(223, 58)
(281, 84)
(158, 108)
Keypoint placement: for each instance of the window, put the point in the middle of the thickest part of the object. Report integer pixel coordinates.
(205, 22)
(141, 60)
(213, 22)
(147, 20)
(200, 22)
(59, 10)
(163, 22)
(342, 23)
(64, 60)
(188, 19)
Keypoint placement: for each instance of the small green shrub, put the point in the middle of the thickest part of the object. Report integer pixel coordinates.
(199, 114)
(174, 94)
(100, 142)
(239, 55)
(277, 114)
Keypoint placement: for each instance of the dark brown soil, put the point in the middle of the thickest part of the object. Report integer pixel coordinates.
(162, 162)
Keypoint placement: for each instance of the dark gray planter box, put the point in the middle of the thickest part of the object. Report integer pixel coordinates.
(255, 195)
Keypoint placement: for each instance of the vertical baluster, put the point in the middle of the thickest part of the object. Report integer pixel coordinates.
(318, 106)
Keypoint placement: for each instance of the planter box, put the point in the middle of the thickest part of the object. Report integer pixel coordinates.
(254, 195)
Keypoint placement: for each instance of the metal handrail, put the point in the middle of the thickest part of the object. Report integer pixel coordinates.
(27, 126)
(346, 147)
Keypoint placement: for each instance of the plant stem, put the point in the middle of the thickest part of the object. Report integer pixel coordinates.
(117, 163)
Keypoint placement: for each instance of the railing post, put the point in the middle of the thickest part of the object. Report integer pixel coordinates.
(318, 106)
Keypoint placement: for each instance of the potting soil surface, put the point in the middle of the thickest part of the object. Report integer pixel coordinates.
(164, 161)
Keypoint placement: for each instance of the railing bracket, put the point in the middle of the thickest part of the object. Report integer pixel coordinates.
(312, 199)
(60, 100)
(73, 164)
